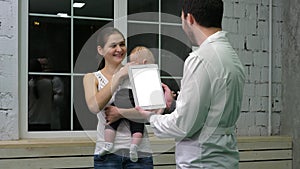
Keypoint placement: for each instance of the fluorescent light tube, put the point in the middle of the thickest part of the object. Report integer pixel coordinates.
(62, 14)
(78, 4)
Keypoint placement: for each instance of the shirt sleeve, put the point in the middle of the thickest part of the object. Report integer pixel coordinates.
(192, 104)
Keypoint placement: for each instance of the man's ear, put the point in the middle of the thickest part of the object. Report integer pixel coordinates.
(190, 19)
(100, 50)
(145, 61)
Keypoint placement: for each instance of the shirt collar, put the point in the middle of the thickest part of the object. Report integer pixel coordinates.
(212, 38)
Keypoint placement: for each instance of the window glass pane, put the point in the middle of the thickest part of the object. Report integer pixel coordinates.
(143, 35)
(171, 7)
(175, 49)
(50, 38)
(50, 46)
(95, 8)
(175, 40)
(62, 100)
(86, 57)
(148, 40)
(170, 62)
(83, 118)
(169, 18)
(50, 6)
(143, 6)
(48, 101)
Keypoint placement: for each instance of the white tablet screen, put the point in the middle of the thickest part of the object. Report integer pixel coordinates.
(147, 89)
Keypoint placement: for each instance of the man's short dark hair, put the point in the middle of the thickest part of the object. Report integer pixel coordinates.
(207, 13)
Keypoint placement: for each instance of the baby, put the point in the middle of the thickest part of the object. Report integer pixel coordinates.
(124, 99)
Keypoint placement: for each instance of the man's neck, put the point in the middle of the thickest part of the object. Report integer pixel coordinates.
(204, 33)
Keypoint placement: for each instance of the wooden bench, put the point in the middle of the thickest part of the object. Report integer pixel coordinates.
(273, 152)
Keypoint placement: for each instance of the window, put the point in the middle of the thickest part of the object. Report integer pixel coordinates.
(58, 45)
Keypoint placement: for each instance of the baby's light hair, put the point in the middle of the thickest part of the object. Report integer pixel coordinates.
(142, 53)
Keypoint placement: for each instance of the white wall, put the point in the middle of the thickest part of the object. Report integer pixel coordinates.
(9, 70)
(247, 22)
(290, 118)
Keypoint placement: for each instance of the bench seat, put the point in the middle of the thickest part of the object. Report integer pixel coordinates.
(270, 152)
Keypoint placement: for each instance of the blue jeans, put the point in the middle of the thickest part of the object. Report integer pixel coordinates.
(119, 161)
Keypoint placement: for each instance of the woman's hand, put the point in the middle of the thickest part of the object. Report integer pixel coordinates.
(112, 114)
(118, 77)
(123, 72)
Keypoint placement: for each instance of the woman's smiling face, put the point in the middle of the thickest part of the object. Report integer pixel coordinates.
(114, 50)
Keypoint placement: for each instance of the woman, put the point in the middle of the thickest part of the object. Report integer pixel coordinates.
(100, 88)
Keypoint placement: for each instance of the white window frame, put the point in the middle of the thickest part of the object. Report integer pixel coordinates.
(23, 80)
(120, 22)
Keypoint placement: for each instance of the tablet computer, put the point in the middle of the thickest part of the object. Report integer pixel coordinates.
(146, 86)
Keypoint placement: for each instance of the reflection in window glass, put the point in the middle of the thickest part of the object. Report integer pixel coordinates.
(143, 35)
(83, 118)
(148, 40)
(95, 8)
(169, 18)
(86, 57)
(139, 28)
(50, 38)
(175, 36)
(171, 63)
(135, 6)
(48, 101)
(173, 54)
(172, 83)
(171, 7)
(50, 6)
(50, 47)
(50, 60)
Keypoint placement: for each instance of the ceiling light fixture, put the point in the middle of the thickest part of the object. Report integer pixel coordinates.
(62, 15)
(78, 4)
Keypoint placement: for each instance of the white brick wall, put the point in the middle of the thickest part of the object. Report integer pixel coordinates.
(248, 25)
(8, 70)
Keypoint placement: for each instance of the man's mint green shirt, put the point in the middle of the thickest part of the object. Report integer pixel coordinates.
(207, 107)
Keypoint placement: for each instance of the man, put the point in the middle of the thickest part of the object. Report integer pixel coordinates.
(208, 106)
